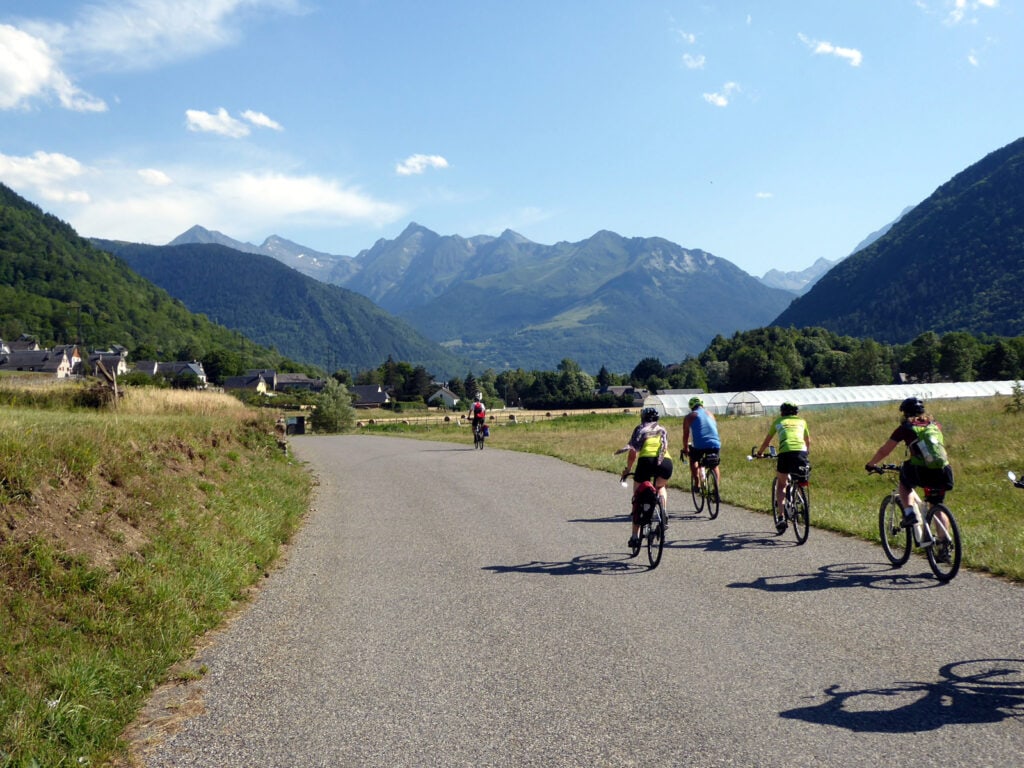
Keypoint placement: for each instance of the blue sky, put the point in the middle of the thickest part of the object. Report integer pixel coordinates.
(769, 134)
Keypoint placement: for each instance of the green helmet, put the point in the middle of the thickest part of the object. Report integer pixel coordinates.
(694, 402)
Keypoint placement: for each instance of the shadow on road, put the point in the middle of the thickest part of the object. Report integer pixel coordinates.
(969, 692)
(843, 575)
(584, 565)
(732, 542)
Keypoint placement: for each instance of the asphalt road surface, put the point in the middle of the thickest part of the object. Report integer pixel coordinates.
(450, 607)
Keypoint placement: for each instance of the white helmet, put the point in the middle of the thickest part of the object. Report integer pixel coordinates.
(479, 395)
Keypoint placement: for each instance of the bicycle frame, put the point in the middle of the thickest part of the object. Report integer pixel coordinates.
(935, 529)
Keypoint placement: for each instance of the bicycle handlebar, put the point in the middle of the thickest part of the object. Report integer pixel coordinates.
(755, 455)
(880, 469)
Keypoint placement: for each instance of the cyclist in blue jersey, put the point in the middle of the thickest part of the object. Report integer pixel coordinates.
(648, 447)
(700, 425)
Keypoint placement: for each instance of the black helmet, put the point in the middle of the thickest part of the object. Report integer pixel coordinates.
(789, 409)
(912, 406)
(649, 414)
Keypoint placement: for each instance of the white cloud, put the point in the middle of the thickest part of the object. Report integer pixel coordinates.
(136, 34)
(417, 164)
(966, 10)
(114, 34)
(693, 62)
(852, 55)
(764, 195)
(722, 99)
(46, 174)
(155, 178)
(146, 206)
(221, 123)
(29, 69)
(260, 119)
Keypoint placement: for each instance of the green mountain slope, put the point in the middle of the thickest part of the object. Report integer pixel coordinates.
(58, 288)
(953, 263)
(272, 304)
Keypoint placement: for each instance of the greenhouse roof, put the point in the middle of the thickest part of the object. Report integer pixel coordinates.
(758, 402)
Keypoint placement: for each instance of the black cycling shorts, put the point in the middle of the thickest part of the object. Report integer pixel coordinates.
(696, 454)
(793, 463)
(916, 476)
(648, 468)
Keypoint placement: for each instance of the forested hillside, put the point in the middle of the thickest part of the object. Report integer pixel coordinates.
(57, 288)
(953, 263)
(303, 318)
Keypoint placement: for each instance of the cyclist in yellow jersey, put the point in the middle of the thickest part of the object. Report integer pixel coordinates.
(794, 447)
(648, 447)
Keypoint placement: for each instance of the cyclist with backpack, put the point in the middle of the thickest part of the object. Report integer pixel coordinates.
(478, 413)
(928, 465)
(648, 447)
(794, 446)
(700, 424)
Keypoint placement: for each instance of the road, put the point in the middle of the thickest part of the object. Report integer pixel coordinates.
(450, 607)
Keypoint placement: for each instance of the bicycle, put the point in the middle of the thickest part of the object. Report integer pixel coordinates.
(796, 502)
(647, 504)
(480, 433)
(705, 492)
(936, 531)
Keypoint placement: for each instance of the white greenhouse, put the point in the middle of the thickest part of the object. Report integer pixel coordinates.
(761, 402)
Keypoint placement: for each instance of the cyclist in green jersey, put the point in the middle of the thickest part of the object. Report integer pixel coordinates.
(794, 446)
(648, 447)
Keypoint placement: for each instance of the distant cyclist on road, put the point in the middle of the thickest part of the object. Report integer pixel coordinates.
(702, 427)
(794, 446)
(478, 412)
(648, 447)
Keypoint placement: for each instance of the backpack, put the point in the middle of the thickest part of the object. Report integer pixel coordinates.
(478, 410)
(930, 445)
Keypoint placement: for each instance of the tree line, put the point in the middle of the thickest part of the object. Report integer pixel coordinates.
(760, 359)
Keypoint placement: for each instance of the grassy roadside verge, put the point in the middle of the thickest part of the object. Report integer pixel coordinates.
(983, 440)
(125, 535)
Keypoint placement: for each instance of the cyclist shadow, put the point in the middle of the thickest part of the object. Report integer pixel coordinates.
(842, 575)
(970, 693)
(583, 565)
(731, 542)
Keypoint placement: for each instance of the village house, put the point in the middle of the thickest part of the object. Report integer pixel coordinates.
(254, 381)
(444, 398)
(56, 364)
(369, 395)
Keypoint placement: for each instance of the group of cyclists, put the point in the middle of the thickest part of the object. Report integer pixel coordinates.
(648, 448)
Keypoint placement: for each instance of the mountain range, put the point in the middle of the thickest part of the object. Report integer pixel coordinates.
(952, 263)
(506, 301)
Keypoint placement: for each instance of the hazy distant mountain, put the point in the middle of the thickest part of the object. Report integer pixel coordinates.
(953, 263)
(800, 282)
(305, 319)
(325, 267)
(797, 281)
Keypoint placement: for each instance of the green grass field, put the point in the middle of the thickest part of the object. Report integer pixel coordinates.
(983, 440)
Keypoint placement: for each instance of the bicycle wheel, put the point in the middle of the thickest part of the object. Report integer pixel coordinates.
(895, 538)
(711, 491)
(656, 538)
(801, 513)
(777, 517)
(944, 555)
(697, 494)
